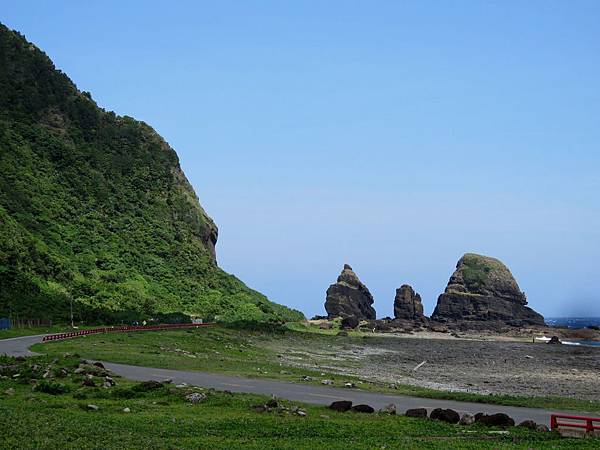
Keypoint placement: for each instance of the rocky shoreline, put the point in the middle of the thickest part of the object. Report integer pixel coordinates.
(482, 362)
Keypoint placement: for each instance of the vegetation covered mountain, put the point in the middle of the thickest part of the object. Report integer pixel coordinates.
(95, 209)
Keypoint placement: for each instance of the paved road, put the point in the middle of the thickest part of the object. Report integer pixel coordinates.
(19, 346)
(299, 391)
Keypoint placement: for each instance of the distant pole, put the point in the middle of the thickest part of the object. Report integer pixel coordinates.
(71, 302)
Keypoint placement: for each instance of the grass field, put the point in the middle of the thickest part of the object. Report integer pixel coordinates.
(253, 354)
(160, 417)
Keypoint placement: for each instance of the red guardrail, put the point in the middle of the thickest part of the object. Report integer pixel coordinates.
(123, 329)
(588, 425)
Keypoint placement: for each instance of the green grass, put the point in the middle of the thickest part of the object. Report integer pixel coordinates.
(251, 353)
(161, 418)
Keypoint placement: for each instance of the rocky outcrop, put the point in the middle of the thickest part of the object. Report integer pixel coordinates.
(483, 289)
(349, 297)
(407, 304)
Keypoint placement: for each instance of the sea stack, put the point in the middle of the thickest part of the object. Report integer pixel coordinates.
(349, 297)
(407, 304)
(483, 289)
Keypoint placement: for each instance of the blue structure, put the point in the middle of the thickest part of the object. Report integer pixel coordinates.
(5, 323)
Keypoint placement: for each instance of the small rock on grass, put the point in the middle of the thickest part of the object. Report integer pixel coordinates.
(258, 408)
(363, 409)
(272, 403)
(388, 409)
(10, 391)
(341, 405)
(467, 419)
(445, 415)
(495, 420)
(195, 397)
(528, 424)
(93, 407)
(126, 410)
(416, 412)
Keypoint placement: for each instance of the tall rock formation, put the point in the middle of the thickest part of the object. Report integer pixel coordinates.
(349, 297)
(483, 289)
(407, 304)
(96, 212)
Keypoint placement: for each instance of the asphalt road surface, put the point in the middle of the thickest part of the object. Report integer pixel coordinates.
(296, 391)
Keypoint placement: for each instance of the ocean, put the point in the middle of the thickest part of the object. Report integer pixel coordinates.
(575, 323)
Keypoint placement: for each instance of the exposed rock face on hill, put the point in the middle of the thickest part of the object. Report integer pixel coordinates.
(349, 297)
(407, 304)
(483, 289)
(94, 208)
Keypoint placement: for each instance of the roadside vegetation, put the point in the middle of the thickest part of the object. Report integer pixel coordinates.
(58, 412)
(260, 353)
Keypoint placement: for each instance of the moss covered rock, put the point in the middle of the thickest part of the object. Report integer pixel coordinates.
(482, 288)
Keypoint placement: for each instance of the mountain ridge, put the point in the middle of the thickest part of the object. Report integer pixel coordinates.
(96, 210)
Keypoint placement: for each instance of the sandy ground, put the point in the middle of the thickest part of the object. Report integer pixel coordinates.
(465, 365)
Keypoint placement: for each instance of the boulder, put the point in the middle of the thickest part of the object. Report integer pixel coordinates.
(363, 409)
(467, 419)
(483, 289)
(349, 297)
(495, 420)
(554, 340)
(349, 322)
(272, 403)
(258, 408)
(528, 424)
(445, 415)
(416, 412)
(388, 409)
(195, 397)
(341, 405)
(407, 304)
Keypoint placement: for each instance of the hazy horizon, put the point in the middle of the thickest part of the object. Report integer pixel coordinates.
(392, 137)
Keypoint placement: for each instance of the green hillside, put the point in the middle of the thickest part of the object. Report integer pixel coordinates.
(94, 208)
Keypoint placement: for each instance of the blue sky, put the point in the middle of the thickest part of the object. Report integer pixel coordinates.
(393, 136)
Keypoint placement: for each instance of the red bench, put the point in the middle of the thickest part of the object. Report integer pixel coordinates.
(588, 425)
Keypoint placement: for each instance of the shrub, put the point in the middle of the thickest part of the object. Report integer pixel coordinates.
(51, 387)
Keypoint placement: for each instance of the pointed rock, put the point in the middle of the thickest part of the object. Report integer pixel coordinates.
(349, 297)
(407, 304)
(482, 288)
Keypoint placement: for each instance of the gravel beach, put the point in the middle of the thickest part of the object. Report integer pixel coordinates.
(459, 365)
